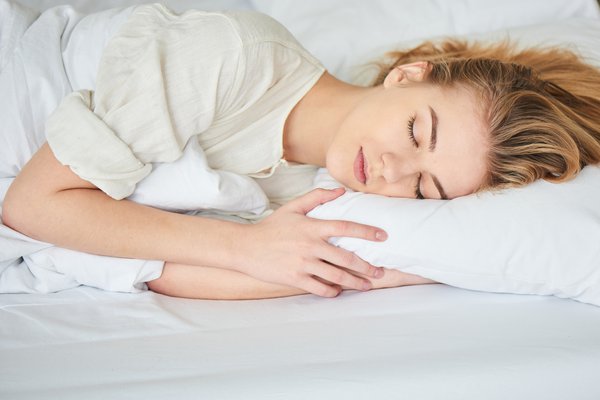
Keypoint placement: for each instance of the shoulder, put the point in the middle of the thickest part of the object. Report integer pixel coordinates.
(243, 27)
(254, 27)
(266, 41)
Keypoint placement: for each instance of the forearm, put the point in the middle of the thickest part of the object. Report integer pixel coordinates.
(85, 219)
(195, 282)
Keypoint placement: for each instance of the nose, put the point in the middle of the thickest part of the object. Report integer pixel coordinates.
(396, 170)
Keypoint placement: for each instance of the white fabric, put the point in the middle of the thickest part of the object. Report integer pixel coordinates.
(91, 6)
(189, 184)
(54, 269)
(431, 342)
(29, 66)
(33, 79)
(342, 33)
(160, 83)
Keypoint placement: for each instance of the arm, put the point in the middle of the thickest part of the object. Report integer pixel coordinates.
(48, 202)
(179, 280)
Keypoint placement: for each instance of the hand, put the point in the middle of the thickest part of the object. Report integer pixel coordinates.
(292, 249)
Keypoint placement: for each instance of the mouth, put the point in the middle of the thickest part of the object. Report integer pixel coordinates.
(360, 170)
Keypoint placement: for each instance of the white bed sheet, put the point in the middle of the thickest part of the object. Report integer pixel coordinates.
(427, 342)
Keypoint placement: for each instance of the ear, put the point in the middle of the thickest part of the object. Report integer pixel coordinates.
(406, 73)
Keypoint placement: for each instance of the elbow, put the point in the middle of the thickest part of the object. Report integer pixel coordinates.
(9, 211)
(30, 205)
(15, 212)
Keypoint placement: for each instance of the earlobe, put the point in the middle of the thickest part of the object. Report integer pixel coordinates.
(406, 73)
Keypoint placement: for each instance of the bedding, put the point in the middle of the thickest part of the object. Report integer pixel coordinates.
(427, 342)
(365, 30)
(424, 342)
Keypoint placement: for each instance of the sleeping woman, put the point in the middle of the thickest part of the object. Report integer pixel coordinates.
(440, 122)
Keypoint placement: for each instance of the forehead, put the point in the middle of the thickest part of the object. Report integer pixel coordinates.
(460, 162)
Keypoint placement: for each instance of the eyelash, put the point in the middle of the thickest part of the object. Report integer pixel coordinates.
(418, 194)
(411, 135)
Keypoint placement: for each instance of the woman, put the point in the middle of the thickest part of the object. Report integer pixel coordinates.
(436, 125)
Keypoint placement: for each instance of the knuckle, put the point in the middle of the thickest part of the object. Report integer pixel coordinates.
(317, 194)
(348, 259)
(337, 276)
(329, 291)
(342, 226)
(320, 290)
(355, 283)
(369, 270)
(308, 285)
(302, 248)
(297, 276)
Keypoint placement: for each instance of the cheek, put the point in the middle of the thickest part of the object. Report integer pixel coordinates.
(397, 190)
(338, 162)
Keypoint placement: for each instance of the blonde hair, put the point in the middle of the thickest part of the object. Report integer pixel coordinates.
(542, 105)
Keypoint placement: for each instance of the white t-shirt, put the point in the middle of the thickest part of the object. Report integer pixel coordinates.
(228, 80)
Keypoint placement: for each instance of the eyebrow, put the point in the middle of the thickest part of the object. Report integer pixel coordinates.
(439, 187)
(434, 123)
(432, 143)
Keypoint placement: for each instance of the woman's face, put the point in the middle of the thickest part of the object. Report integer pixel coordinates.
(411, 139)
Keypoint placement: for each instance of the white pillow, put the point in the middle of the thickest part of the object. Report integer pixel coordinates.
(540, 239)
(189, 184)
(341, 32)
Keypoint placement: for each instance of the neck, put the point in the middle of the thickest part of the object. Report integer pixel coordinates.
(312, 124)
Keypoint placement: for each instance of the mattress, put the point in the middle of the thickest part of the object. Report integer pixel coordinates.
(423, 342)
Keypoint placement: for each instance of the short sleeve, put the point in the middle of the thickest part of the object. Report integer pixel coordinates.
(162, 79)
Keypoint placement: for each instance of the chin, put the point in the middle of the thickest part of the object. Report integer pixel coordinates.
(336, 176)
(352, 186)
(348, 183)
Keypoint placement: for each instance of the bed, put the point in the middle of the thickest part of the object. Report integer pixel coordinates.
(421, 342)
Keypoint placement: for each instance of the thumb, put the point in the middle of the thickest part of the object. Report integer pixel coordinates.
(313, 199)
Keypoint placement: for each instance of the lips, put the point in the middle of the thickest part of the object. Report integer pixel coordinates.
(360, 167)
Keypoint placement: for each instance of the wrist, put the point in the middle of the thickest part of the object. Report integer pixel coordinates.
(234, 252)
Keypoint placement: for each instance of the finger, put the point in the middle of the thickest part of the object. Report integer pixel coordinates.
(314, 198)
(339, 276)
(320, 288)
(352, 229)
(349, 260)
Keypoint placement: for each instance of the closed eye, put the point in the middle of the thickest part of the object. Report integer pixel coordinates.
(411, 133)
(418, 194)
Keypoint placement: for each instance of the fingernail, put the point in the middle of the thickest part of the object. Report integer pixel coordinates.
(379, 273)
(380, 235)
(366, 285)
